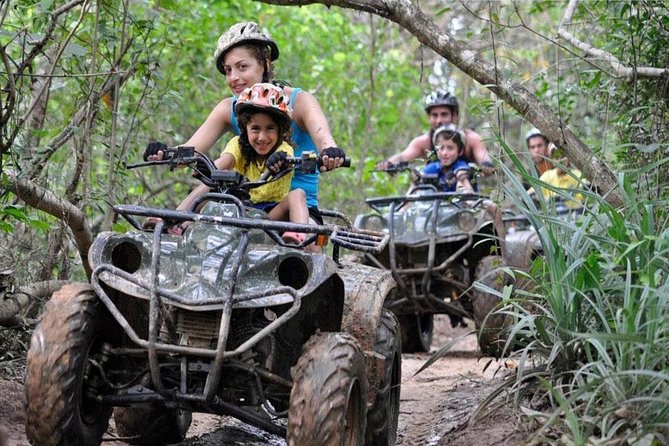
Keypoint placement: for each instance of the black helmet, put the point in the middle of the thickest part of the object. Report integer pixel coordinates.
(441, 98)
(244, 32)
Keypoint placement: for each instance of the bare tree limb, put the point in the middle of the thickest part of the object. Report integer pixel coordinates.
(17, 301)
(619, 69)
(37, 46)
(45, 200)
(407, 14)
(114, 79)
(7, 111)
(54, 64)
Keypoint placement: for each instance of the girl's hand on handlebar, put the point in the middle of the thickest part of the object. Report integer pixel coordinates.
(276, 161)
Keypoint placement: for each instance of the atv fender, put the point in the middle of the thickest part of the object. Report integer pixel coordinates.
(521, 249)
(366, 289)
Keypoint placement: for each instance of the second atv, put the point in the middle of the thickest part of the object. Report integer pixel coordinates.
(440, 244)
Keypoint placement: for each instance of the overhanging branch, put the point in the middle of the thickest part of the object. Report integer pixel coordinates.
(619, 69)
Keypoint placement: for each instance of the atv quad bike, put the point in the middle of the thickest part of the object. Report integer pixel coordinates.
(440, 244)
(224, 319)
(522, 241)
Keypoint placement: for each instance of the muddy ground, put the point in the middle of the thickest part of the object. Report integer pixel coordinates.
(435, 407)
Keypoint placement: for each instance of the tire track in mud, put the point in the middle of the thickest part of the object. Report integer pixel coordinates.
(440, 399)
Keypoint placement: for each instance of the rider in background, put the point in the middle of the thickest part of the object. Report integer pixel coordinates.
(541, 151)
(451, 170)
(562, 176)
(554, 173)
(264, 119)
(442, 108)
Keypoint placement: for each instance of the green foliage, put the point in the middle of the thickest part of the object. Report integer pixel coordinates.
(9, 213)
(597, 322)
(638, 36)
(597, 319)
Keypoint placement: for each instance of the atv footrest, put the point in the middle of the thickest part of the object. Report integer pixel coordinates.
(360, 239)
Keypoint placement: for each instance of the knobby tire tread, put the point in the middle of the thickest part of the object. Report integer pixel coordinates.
(382, 417)
(329, 363)
(54, 369)
(490, 328)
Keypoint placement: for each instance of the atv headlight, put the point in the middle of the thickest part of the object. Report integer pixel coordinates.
(127, 256)
(466, 221)
(374, 223)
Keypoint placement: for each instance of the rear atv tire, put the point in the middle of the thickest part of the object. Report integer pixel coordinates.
(383, 416)
(59, 377)
(416, 332)
(328, 400)
(152, 425)
(490, 326)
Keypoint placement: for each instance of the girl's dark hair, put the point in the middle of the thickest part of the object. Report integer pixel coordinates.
(262, 54)
(249, 153)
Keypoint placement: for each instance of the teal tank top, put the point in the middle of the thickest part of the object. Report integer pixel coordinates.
(302, 142)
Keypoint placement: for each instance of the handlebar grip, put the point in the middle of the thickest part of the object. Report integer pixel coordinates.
(347, 162)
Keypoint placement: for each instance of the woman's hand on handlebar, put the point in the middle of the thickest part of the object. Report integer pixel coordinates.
(331, 158)
(154, 151)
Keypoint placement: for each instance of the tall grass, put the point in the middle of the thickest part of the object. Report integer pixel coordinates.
(595, 329)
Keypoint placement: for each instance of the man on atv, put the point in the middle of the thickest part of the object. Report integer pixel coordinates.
(553, 169)
(442, 109)
(540, 151)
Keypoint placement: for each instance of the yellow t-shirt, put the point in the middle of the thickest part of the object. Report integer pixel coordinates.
(555, 177)
(272, 192)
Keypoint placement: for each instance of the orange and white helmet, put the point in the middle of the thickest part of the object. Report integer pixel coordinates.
(264, 97)
(239, 33)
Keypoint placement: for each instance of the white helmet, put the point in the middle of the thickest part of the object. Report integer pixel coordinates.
(534, 132)
(450, 131)
(244, 32)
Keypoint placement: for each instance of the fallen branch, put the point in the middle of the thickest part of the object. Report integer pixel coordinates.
(12, 305)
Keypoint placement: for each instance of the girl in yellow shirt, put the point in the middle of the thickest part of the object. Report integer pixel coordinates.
(264, 119)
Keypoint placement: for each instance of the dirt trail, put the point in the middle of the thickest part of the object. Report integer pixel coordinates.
(434, 409)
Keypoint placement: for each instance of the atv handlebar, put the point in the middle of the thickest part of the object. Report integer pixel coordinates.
(210, 175)
(418, 177)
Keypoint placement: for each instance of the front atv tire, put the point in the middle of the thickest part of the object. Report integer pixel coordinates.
(328, 400)
(490, 325)
(60, 379)
(383, 416)
(417, 332)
